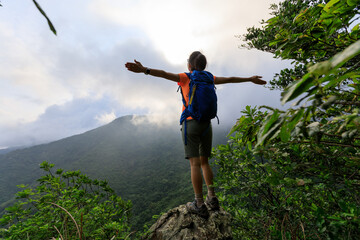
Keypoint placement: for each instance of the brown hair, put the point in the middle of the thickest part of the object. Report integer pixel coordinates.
(197, 61)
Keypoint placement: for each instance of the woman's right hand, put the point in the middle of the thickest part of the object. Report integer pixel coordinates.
(135, 66)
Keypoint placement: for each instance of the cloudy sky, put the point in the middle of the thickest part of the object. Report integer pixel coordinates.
(57, 86)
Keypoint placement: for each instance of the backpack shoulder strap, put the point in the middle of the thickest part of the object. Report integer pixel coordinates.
(182, 94)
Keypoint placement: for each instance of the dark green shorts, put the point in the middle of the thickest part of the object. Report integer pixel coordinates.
(199, 139)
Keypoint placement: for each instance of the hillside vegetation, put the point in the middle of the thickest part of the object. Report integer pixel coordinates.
(295, 174)
(142, 162)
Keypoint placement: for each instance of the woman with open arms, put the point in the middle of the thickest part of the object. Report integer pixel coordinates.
(198, 137)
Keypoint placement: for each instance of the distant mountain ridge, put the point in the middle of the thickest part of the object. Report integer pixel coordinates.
(10, 149)
(143, 162)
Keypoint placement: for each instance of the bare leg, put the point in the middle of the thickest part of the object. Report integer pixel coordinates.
(196, 177)
(208, 175)
(198, 206)
(207, 171)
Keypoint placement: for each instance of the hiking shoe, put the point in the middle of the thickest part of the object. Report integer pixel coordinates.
(212, 203)
(201, 211)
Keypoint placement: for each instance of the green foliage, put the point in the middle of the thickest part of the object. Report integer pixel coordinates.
(67, 205)
(287, 189)
(295, 174)
(307, 31)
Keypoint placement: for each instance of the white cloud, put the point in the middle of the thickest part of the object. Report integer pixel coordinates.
(52, 87)
(60, 121)
(106, 118)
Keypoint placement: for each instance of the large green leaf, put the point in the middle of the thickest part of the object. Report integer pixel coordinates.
(356, 27)
(341, 58)
(337, 61)
(290, 123)
(330, 4)
(270, 127)
(352, 3)
(336, 81)
(295, 119)
(237, 126)
(284, 133)
(271, 121)
(297, 88)
(300, 17)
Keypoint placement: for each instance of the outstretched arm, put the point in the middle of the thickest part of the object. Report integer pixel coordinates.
(137, 67)
(253, 79)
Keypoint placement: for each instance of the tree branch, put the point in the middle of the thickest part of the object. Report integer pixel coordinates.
(328, 143)
(346, 103)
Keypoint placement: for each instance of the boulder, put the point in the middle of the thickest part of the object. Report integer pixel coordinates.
(178, 223)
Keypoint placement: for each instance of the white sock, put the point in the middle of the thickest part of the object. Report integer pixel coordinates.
(199, 199)
(211, 191)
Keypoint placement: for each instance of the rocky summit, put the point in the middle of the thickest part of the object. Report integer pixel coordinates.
(178, 223)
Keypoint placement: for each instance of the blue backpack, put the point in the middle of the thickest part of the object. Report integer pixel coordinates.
(202, 98)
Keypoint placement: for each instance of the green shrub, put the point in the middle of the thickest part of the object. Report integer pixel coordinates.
(67, 205)
(295, 173)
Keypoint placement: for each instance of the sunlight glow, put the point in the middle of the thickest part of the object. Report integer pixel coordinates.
(176, 29)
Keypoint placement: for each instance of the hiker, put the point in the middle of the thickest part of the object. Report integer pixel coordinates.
(197, 136)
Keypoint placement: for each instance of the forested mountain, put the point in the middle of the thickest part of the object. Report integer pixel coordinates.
(143, 162)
